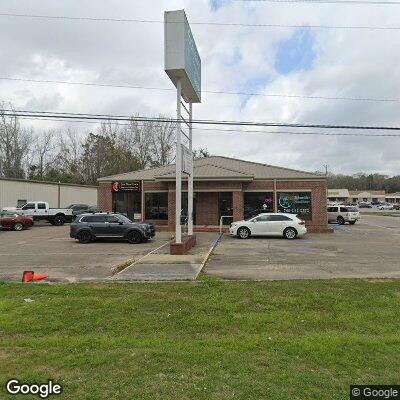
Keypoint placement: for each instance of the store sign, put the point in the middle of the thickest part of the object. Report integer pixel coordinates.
(118, 187)
(187, 160)
(182, 60)
(295, 203)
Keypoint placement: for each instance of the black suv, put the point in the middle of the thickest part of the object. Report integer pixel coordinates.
(89, 227)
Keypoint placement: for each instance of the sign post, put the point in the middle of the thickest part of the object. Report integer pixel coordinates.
(183, 66)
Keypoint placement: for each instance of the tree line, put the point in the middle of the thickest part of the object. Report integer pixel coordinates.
(362, 181)
(69, 157)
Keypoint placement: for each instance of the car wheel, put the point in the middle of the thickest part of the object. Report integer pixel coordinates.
(290, 233)
(84, 237)
(243, 232)
(59, 220)
(134, 237)
(352, 222)
(18, 226)
(340, 220)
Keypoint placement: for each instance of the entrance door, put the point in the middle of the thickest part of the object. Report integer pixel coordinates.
(225, 207)
(128, 203)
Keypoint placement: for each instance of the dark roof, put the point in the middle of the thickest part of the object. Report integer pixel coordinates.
(217, 168)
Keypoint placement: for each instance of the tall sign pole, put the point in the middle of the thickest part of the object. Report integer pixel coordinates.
(183, 66)
(178, 164)
(190, 179)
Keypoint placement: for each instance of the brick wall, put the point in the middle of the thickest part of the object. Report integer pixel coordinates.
(207, 208)
(105, 197)
(238, 204)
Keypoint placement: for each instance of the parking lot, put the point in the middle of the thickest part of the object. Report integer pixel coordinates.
(49, 249)
(368, 249)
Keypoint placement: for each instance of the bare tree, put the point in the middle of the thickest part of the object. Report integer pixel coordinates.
(43, 155)
(14, 146)
(163, 143)
(139, 138)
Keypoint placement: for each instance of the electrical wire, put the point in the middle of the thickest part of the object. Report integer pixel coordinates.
(271, 95)
(117, 118)
(234, 130)
(206, 23)
(374, 2)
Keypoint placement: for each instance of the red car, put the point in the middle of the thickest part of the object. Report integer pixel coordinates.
(12, 220)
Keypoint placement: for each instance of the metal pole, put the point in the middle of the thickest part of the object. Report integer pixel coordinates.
(178, 169)
(190, 180)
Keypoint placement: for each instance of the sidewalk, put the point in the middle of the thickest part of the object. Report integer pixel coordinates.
(162, 266)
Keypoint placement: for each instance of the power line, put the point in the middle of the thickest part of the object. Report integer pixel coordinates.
(232, 130)
(374, 2)
(206, 23)
(104, 117)
(364, 99)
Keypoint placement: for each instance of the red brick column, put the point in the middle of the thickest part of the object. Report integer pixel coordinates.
(319, 213)
(104, 197)
(238, 206)
(171, 211)
(207, 208)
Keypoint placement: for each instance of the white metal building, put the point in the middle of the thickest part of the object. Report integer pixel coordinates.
(16, 192)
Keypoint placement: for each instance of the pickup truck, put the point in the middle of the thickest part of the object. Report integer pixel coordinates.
(40, 210)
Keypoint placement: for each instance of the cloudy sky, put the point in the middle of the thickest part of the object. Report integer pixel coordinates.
(300, 61)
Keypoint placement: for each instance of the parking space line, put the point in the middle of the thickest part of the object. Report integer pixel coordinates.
(140, 259)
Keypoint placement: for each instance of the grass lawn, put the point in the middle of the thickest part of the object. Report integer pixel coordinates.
(202, 340)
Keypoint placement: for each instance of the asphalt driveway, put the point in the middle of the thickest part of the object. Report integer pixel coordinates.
(49, 249)
(368, 249)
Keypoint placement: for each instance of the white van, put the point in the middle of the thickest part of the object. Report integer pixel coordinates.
(342, 214)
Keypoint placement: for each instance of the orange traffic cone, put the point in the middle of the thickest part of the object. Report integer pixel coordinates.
(29, 276)
(39, 277)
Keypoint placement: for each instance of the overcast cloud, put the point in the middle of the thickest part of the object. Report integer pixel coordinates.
(295, 61)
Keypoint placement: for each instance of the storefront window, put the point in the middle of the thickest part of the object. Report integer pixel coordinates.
(258, 202)
(128, 203)
(156, 205)
(295, 203)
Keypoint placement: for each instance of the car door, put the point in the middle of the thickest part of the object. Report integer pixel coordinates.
(29, 209)
(278, 223)
(116, 226)
(98, 225)
(7, 219)
(262, 225)
(332, 214)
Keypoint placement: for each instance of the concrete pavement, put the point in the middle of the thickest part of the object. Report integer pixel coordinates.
(161, 266)
(49, 249)
(368, 249)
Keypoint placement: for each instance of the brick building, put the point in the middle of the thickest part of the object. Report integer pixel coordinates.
(223, 186)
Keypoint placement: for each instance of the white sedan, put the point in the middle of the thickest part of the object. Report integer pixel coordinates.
(269, 224)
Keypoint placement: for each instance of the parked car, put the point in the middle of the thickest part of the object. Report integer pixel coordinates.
(40, 210)
(89, 227)
(269, 224)
(396, 206)
(78, 209)
(364, 204)
(385, 206)
(343, 214)
(13, 220)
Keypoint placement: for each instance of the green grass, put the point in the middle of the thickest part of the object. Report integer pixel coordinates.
(202, 340)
